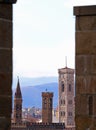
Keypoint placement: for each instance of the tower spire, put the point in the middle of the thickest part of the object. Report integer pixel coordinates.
(66, 61)
(18, 104)
(18, 90)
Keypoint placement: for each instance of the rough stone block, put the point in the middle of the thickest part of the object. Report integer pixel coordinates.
(5, 61)
(86, 23)
(83, 122)
(5, 123)
(85, 10)
(92, 87)
(86, 84)
(5, 34)
(80, 84)
(5, 83)
(81, 106)
(8, 9)
(86, 42)
(83, 64)
(5, 106)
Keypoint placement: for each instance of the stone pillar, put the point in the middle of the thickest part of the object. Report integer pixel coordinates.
(85, 67)
(6, 46)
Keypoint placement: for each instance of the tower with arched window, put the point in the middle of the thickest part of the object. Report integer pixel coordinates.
(66, 96)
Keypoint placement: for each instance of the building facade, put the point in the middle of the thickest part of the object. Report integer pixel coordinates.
(47, 105)
(66, 96)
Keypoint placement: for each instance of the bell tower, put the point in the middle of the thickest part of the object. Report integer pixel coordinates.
(18, 104)
(47, 105)
(66, 96)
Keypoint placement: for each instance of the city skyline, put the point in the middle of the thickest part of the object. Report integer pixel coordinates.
(44, 34)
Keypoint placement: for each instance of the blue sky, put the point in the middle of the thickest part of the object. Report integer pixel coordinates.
(44, 34)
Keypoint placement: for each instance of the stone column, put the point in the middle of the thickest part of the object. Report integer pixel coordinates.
(6, 45)
(85, 59)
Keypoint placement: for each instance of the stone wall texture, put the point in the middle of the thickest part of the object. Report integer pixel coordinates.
(85, 59)
(5, 65)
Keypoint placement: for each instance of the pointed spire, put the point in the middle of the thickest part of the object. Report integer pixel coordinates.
(66, 61)
(18, 90)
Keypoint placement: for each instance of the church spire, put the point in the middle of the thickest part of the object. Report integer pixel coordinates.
(65, 61)
(18, 90)
(18, 104)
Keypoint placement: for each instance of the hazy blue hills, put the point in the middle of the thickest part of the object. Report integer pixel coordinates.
(32, 94)
(26, 81)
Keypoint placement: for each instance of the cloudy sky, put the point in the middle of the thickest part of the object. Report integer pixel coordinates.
(44, 33)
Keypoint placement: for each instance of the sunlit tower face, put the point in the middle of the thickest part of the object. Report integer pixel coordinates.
(66, 96)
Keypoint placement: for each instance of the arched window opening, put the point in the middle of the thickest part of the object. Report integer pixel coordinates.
(44, 103)
(62, 85)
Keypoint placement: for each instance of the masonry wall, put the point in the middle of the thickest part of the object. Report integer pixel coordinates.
(85, 67)
(5, 65)
(39, 126)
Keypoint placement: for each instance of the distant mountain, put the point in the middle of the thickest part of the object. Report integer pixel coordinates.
(25, 81)
(32, 95)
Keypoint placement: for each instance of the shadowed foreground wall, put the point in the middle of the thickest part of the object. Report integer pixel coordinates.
(6, 45)
(5, 65)
(85, 67)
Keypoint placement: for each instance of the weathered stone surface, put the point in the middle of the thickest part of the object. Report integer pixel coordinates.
(86, 42)
(4, 123)
(5, 84)
(5, 66)
(85, 67)
(85, 10)
(5, 106)
(86, 84)
(81, 106)
(83, 122)
(83, 64)
(6, 11)
(86, 23)
(5, 30)
(5, 60)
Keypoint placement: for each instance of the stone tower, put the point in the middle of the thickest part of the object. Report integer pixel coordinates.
(18, 104)
(85, 110)
(47, 105)
(66, 96)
